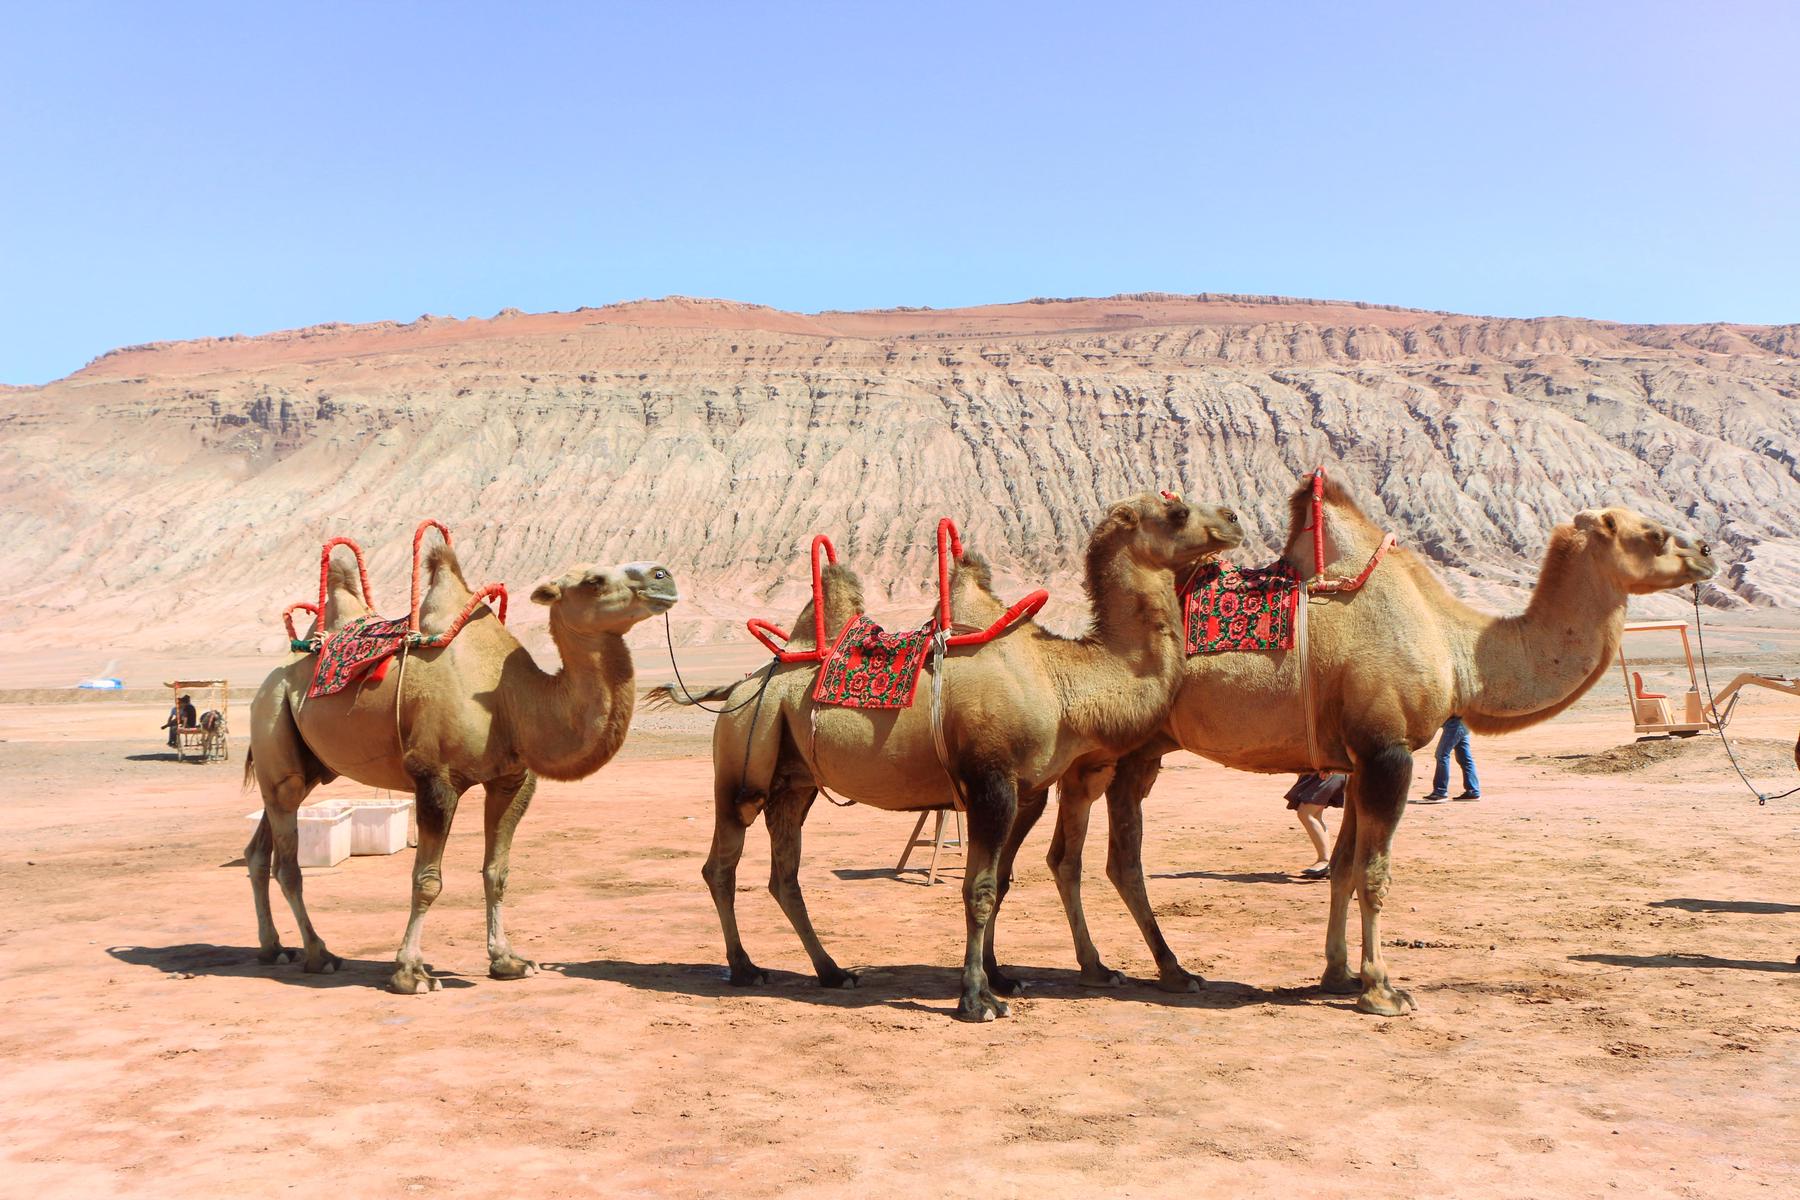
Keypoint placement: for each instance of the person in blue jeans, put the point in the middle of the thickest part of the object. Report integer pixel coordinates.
(1454, 740)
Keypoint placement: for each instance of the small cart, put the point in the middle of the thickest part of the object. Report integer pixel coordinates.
(1653, 714)
(209, 738)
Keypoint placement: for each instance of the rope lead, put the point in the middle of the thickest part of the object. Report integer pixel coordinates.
(1718, 724)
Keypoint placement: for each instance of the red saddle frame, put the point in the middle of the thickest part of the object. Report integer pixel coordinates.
(949, 547)
(494, 593)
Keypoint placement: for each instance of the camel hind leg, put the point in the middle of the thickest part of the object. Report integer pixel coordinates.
(285, 774)
(507, 800)
(786, 817)
(733, 811)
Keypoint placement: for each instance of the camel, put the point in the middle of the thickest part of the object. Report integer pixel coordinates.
(1389, 664)
(1016, 713)
(475, 711)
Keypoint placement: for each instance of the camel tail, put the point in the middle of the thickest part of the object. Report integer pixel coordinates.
(673, 695)
(249, 769)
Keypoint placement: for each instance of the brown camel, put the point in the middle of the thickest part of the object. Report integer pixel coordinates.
(1016, 713)
(1389, 664)
(477, 711)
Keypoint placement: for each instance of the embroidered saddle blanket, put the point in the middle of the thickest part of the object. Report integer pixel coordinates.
(1226, 608)
(350, 653)
(871, 668)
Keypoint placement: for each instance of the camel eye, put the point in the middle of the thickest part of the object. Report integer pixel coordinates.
(595, 580)
(660, 574)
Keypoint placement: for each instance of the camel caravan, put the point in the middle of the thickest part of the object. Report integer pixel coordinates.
(1345, 654)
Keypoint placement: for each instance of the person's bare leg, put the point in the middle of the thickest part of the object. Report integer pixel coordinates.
(1312, 819)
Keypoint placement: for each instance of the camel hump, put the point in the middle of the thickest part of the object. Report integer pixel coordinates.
(843, 600)
(446, 591)
(441, 558)
(341, 575)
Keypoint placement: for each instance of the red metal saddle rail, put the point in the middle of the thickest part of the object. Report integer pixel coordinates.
(949, 547)
(1322, 584)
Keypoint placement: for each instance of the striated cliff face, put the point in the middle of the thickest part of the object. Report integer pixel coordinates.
(198, 478)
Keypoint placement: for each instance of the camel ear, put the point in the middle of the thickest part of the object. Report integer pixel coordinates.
(1125, 513)
(1593, 521)
(548, 592)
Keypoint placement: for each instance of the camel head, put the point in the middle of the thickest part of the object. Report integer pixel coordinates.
(1639, 555)
(1169, 532)
(593, 600)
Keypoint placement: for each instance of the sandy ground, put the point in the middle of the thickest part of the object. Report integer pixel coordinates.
(1602, 950)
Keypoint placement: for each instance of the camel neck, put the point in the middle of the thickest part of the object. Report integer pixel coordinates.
(570, 723)
(1529, 667)
(1116, 684)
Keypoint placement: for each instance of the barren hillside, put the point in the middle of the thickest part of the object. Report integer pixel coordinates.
(196, 479)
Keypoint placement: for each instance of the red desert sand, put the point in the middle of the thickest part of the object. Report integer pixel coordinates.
(1602, 949)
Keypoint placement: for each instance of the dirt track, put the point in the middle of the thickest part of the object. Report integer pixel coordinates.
(1604, 965)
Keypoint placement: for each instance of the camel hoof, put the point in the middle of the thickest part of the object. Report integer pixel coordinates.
(1391, 1002)
(748, 977)
(325, 964)
(408, 981)
(1102, 977)
(981, 1009)
(511, 967)
(1341, 983)
(837, 977)
(1179, 980)
(1004, 985)
(279, 955)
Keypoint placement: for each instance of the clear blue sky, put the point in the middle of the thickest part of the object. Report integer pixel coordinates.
(176, 170)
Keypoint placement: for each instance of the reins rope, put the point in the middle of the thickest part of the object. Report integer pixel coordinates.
(1718, 723)
(669, 636)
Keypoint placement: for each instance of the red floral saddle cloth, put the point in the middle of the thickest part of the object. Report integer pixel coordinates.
(871, 668)
(1226, 608)
(350, 653)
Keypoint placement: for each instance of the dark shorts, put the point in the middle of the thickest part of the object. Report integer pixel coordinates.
(1313, 789)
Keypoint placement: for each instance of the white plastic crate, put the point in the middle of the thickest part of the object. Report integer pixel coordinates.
(324, 833)
(379, 826)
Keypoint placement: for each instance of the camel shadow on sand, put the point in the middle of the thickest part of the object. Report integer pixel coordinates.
(895, 986)
(1686, 904)
(1240, 877)
(193, 959)
(1691, 961)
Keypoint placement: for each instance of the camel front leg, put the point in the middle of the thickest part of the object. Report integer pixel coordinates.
(993, 802)
(1075, 798)
(507, 800)
(1131, 782)
(1031, 807)
(786, 816)
(1385, 778)
(1338, 979)
(435, 801)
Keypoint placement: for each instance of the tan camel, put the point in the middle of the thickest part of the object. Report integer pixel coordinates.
(1389, 664)
(477, 711)
(1016, 713)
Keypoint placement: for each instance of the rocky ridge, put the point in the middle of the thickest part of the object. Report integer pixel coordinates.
(198, 478)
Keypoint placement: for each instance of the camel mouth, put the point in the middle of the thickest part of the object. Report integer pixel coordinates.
(660, 602)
